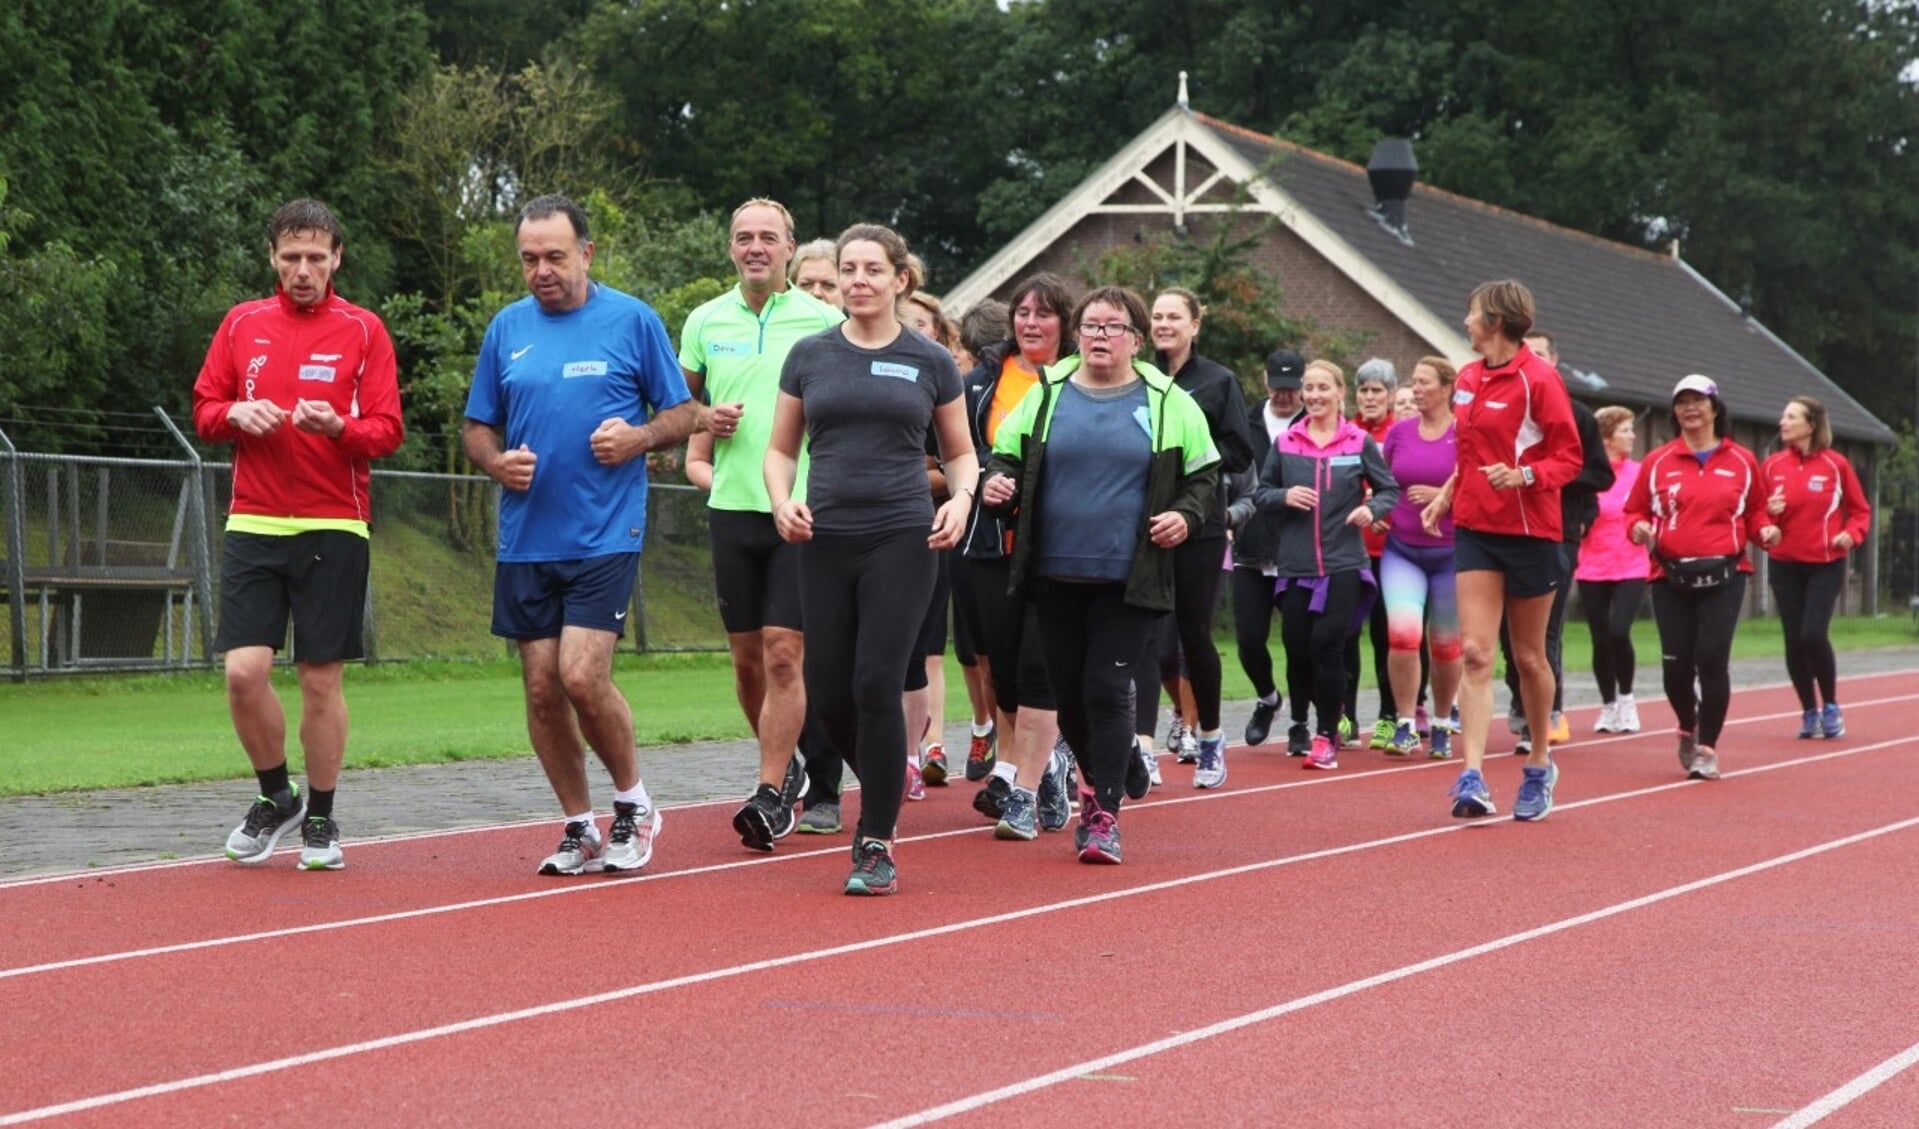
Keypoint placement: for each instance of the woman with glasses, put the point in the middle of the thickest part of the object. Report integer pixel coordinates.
(1814, 494)
(1108, 467)
(1318, 479)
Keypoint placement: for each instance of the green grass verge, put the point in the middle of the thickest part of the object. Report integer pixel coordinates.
(117, 732)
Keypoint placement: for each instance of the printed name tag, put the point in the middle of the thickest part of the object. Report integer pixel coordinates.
(1144, 417)
(900, 372)
(728, 349)
(1462, 397)
(317, 372)
(1816, 484)
(1343, 460)
(583, 368)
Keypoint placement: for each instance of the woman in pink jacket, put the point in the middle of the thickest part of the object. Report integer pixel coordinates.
(1612, 579)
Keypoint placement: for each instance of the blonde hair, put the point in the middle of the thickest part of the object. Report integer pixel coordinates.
(814, 249)
(1338, 374)
(942, 328)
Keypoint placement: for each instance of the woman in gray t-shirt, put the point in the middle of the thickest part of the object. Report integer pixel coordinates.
(864, 394)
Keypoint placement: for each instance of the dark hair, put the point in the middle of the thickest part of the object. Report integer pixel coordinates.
(541, 207)
(1817, 419)
(1051, 290)
(1721, 418)
(1551, 345)
(1195, 308)
(1507, 306)
(889, 242)
(988, 323)
(304, 215)
(1123, 297)
(1440, 365)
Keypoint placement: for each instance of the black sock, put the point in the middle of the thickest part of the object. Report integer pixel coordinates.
(273, 781)
(319, 804)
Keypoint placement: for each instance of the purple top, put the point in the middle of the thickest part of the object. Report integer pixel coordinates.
(1416, 461)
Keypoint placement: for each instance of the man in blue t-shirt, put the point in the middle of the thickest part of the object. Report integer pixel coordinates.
(574, 385)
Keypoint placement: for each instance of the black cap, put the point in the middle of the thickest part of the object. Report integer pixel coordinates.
(1284, 368)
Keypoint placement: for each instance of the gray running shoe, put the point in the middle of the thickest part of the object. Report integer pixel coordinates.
(579, 850)
(1688, 750)
(321, 844)
(1055, 805)
(266, 823)
(1017, 816)
(1705, 765)
(629, 842)
(822, 818)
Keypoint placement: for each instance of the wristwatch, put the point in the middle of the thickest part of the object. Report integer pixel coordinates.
(1526, 475)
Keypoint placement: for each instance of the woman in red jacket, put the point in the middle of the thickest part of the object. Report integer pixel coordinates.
(1518, 444)
(1814, 495)
(1697, 502)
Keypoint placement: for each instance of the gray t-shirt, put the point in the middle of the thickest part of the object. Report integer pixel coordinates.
(867, 416)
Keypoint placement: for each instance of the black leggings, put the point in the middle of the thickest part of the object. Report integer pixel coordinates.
(1807, 595)
(1381, 641)
(1253, 626)
(1093, 639)
(1315, 647)
(1611, 606)
(1196, 576)
(862, 597)
(1009, 637)
(1695, 635)
(1146, 680)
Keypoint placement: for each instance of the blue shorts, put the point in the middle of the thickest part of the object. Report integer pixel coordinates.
(535, 599)
(1534, 566)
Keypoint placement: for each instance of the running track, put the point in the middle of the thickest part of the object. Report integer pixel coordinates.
(1294, 949)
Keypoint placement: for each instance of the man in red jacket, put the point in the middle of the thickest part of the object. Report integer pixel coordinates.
(303, 385)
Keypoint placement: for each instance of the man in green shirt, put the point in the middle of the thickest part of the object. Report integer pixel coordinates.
(733, 348)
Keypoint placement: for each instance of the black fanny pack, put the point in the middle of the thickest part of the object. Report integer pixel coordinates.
(1699, 574)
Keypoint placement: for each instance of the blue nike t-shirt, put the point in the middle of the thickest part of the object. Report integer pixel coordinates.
(549, 380)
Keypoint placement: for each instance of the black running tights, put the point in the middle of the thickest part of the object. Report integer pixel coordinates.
(1611, 606)
(1316, 645)
(1807, 595)
(1093, 640)
(1695, 638)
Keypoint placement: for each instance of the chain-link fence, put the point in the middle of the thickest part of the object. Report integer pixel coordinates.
(113, 564)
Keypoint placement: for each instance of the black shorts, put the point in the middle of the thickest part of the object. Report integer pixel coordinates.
(535, 599)
(318, 577)
(756, 575)
(932, 640)
(1534, 566)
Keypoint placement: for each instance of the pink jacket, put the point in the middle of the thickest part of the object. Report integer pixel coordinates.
(1608, 553)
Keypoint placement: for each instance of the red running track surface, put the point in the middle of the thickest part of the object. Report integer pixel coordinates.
(1293, 949)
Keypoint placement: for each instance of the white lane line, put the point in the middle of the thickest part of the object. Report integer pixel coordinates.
(591, 886)
(1002, 1093)
(412, 836)
(1353, 987)
(1852, 1091)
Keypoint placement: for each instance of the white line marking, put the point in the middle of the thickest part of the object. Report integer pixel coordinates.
(591, 886)
(1852, 1091)
(1353, 987)
(711, 975)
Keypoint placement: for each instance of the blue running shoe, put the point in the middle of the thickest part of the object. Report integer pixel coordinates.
(1441, 746)
(1831, 724)
(1016, 817)
(1808, 725)
(1535, 798)
(1211, 771)
(1470, 798)
(1055, 806)
(1404, 741)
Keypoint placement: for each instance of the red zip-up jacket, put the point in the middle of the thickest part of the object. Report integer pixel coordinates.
(1517, 414)
(1823, 500)
(1709, 510)
(272, 349)
(1375, 542)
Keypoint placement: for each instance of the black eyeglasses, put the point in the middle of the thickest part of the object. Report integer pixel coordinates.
(1114, 329)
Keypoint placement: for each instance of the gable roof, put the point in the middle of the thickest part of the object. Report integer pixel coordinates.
(1628, 322)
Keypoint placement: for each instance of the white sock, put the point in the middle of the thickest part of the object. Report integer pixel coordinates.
(586, 818)
(1271, 699)
(982, 730)
(1005, 771)
(637, 796)
(1210, 734)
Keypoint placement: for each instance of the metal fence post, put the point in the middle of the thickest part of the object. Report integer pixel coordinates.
(202, 563)
(16, 559)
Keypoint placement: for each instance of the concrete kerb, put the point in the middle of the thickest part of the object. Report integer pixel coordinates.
(77, 830)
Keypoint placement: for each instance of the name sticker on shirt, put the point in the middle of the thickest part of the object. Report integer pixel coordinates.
(1343, 460)
(1462, 397)
(322, 373)
(1816, 484)
(900, 372)
(583, 368)
(1144, 418)
(728, 349)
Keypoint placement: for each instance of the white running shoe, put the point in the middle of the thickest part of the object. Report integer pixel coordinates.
(629, 843)
(1627, 719)
(1608, 719)
(579, 850)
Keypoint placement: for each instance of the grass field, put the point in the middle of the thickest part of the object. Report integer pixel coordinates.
(114, 732)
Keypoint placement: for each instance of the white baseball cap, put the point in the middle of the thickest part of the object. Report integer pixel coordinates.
(1704, 385)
